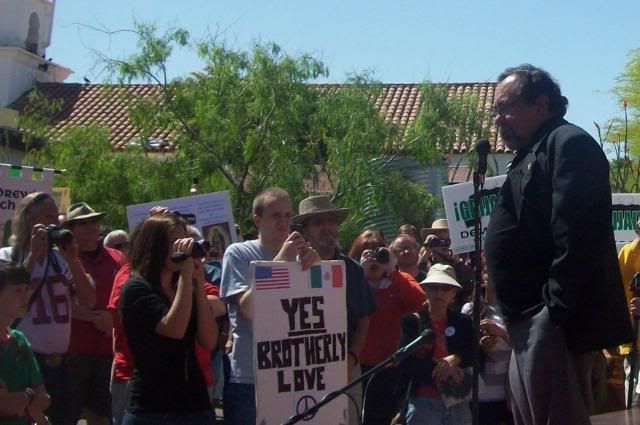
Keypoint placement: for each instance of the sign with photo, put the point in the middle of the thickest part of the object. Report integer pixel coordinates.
(300, 340)
(212, 212)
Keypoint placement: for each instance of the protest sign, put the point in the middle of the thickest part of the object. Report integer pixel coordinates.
(212, 213)
(460, 210)
(624, 216)
(15, 184)
(300, 340)
(62, 196)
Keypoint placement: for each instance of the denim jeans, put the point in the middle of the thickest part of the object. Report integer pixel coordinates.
(57, 380)
(432, 411)
(239, 404)
(197, 418)
(120, 392)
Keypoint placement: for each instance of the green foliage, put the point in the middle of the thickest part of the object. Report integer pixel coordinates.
(35, 117)
(109, 180)
(250, 120)
(620, 137)
(443, 122)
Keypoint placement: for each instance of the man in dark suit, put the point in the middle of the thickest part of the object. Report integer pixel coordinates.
(550, 251)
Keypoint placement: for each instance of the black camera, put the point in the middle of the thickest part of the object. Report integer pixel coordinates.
(58, 235)
(381, 255)
(437, 243)
(198, 250)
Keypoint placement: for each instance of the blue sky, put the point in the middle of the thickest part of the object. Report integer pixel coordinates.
(583, 44)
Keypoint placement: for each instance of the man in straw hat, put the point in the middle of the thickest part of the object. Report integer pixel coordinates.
(319, 219)
(272, 213)
(91, 346)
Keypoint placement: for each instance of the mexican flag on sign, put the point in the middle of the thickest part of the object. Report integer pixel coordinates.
(326, 276)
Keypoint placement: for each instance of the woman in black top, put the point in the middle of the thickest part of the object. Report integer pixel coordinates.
(164, 312)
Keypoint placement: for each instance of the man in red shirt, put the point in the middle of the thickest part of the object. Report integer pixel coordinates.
(91, 344)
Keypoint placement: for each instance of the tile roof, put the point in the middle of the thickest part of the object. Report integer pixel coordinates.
(85, 104)
(101, 104)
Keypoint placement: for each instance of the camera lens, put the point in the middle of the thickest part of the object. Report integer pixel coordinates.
(381, 255)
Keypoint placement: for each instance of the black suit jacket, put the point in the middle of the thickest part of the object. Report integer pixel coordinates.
(550, 240)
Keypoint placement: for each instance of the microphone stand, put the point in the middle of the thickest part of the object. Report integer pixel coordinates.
(478, 184)
(396, 358)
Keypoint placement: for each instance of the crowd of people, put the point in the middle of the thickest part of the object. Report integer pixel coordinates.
(130, 331)
(157, 328)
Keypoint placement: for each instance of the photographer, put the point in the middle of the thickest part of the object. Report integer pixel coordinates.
(396, 294)
(436, 249)
(50, 255)
(164, 311)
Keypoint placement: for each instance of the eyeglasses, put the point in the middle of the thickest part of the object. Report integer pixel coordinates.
(440, 287)
(120, 245)
(502, 108)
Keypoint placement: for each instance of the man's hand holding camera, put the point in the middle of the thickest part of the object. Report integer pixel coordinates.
(295, 247)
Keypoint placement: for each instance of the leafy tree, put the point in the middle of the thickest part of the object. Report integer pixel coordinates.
(250, 120)
(628, 92)
(109, 180)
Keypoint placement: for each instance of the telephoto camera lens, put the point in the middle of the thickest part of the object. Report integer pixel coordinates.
(58, 235)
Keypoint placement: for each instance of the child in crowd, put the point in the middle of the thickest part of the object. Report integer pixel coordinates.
(23, 397)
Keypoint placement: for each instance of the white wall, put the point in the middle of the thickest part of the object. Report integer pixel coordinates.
(19, 70)
(14, 22)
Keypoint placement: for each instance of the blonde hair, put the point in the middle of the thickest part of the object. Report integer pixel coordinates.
(20, 232)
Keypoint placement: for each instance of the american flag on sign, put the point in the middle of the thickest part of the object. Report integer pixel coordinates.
(276, 277)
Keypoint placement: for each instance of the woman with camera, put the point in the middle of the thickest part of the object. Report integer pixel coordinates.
(50, 255)
(164, 310)
(396, 294)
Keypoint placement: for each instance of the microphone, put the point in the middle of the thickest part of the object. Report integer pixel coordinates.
(427, 336)
(482, 148)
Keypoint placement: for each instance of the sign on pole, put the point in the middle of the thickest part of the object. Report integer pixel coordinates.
(15, 184)
(212, 212)
(459, 207)
(300, 340)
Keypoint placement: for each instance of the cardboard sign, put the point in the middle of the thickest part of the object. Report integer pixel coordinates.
(212, 212)
(300, 340)
(460, 210)
(15, 184)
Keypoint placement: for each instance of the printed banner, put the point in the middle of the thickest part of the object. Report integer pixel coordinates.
(459, 207)
(212, 211)
(15, 184)
(300, 340)
(624, 216)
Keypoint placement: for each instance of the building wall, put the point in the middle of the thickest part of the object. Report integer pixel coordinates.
(19, 70)
(15, 19)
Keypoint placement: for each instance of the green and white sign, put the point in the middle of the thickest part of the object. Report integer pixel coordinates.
(459, 207)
